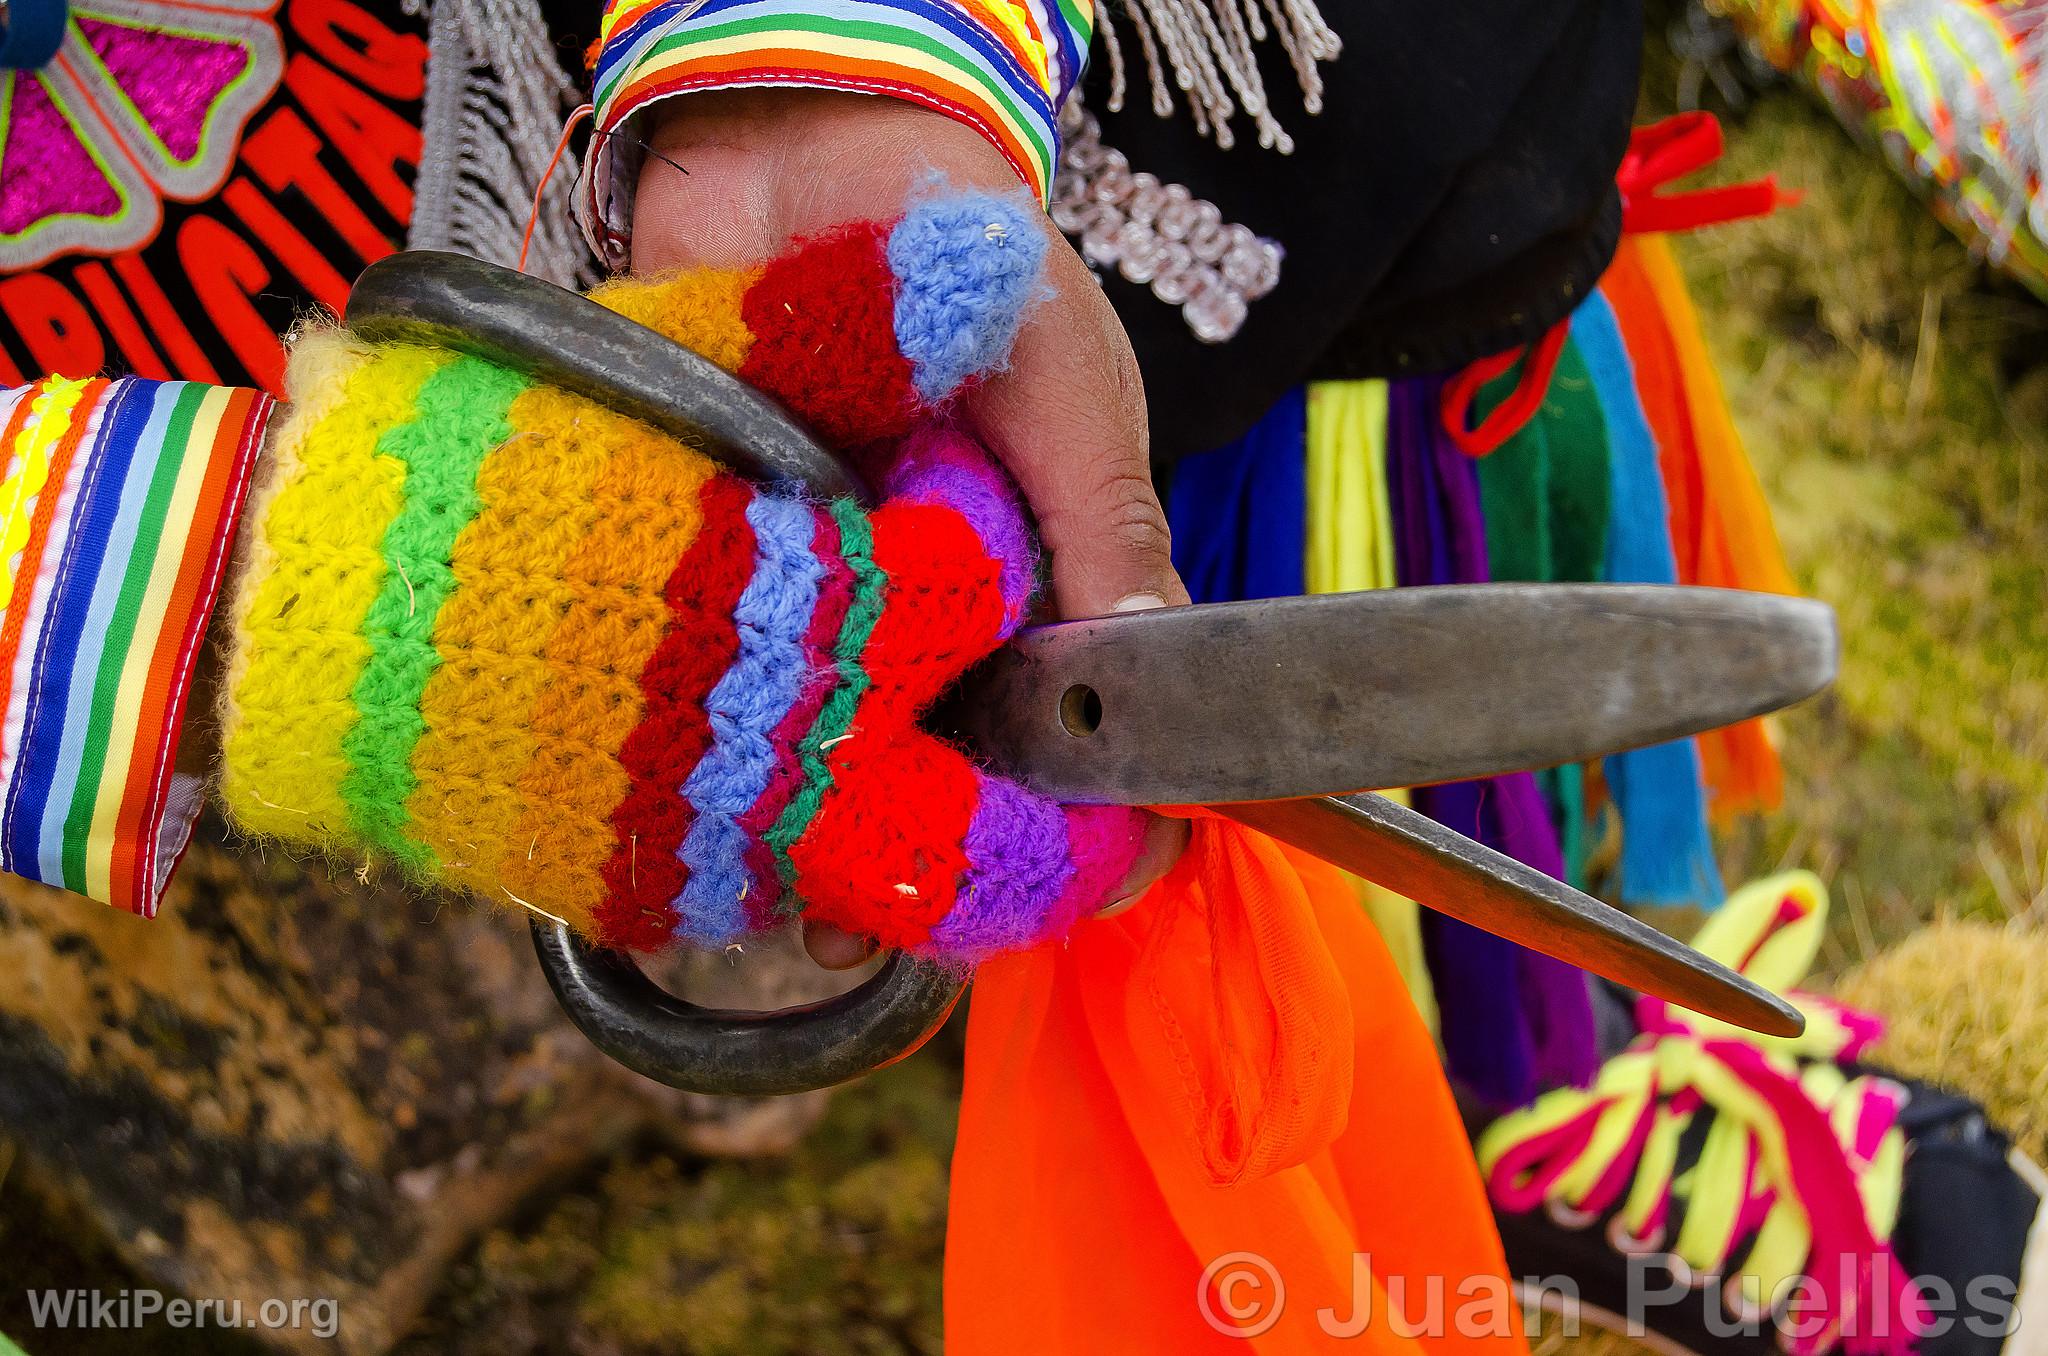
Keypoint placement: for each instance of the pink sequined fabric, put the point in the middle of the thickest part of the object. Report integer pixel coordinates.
(145, 101)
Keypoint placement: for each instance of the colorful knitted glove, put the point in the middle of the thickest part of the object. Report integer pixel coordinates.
(528, 646)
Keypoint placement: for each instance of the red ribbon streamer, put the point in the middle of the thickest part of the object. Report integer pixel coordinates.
(1671, 149)
(1657, 155)
(1507, 418)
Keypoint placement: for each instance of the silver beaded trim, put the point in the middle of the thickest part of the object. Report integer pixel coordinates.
(1158, 234)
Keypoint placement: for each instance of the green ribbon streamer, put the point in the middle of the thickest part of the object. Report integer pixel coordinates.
(1545, 493)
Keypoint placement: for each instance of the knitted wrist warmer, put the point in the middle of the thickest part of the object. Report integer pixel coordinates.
(528, 646)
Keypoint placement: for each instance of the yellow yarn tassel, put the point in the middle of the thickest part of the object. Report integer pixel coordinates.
(1351, 547)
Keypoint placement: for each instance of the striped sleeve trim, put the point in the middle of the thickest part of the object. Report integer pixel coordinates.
(1003, 67)
(111, 581)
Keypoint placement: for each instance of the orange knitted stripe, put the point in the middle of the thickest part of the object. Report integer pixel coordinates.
(492, 632)
(644, 515)
(699, 309)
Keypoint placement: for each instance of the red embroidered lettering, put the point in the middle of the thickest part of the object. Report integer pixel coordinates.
(58, 330)
(226, 271)
(357, 43)
(373, 138)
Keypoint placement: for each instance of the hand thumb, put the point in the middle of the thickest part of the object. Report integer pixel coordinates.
(1067, 419)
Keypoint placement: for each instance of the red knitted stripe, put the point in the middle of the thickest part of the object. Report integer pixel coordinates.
(890, 839)
(643, 876)
(893, 826)
(944, 609)
(824, 327)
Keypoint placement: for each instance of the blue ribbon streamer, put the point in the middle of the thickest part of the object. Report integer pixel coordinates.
(1240, 513)
(1667, 853)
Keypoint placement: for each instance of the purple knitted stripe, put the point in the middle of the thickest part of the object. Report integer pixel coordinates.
(1017, 868)
(944, 466)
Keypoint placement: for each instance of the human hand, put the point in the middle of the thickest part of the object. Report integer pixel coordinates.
(733, 176)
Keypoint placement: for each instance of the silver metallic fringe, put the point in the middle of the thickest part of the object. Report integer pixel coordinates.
(1207, 47)
(496, 101)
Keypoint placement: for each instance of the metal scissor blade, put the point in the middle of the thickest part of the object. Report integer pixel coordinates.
(1292, 697)
(1441, 869)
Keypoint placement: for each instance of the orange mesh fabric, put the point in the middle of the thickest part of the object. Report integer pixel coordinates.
(1232, 1066)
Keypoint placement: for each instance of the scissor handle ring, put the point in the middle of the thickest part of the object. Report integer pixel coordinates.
(567, 340)
(468, 306)
(744, 1054)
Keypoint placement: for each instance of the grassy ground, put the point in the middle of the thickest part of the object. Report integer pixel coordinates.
(1896, 407)
(832, 1252)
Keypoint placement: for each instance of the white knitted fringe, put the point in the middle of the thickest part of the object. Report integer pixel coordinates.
(1207, 45)
(496, 101)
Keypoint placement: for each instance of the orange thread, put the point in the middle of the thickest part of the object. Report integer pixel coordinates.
(561, 149)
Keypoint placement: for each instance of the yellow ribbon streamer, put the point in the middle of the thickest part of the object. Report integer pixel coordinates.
(1351, 547)
(50, 420)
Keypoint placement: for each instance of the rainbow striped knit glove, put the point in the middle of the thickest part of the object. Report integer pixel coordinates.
(530, 647)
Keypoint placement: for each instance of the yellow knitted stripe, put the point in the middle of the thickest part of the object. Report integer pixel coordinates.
(645, 516)
(313, 569)
(506, 710)
(699, 310)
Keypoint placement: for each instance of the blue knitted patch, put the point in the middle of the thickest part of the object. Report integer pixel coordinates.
(967, 268)
(747, 703)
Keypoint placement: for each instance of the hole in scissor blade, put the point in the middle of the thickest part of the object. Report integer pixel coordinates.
(1081, 710)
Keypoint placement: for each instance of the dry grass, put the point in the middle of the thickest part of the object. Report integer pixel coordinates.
(1546, 1339)
(1967, 1007)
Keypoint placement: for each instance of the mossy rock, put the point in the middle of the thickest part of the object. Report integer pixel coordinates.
(296, 1085)
(835, 1251)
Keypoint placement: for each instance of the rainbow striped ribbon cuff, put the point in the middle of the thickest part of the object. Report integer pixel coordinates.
(1003, 67)
(117, 511)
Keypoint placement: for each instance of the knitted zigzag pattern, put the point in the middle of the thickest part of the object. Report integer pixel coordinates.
(527, 646)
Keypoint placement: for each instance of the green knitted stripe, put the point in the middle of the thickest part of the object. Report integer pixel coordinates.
(459, 419)
(870, 586)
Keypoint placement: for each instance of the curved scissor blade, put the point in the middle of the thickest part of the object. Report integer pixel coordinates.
(1441, 869)
(1292, 697)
